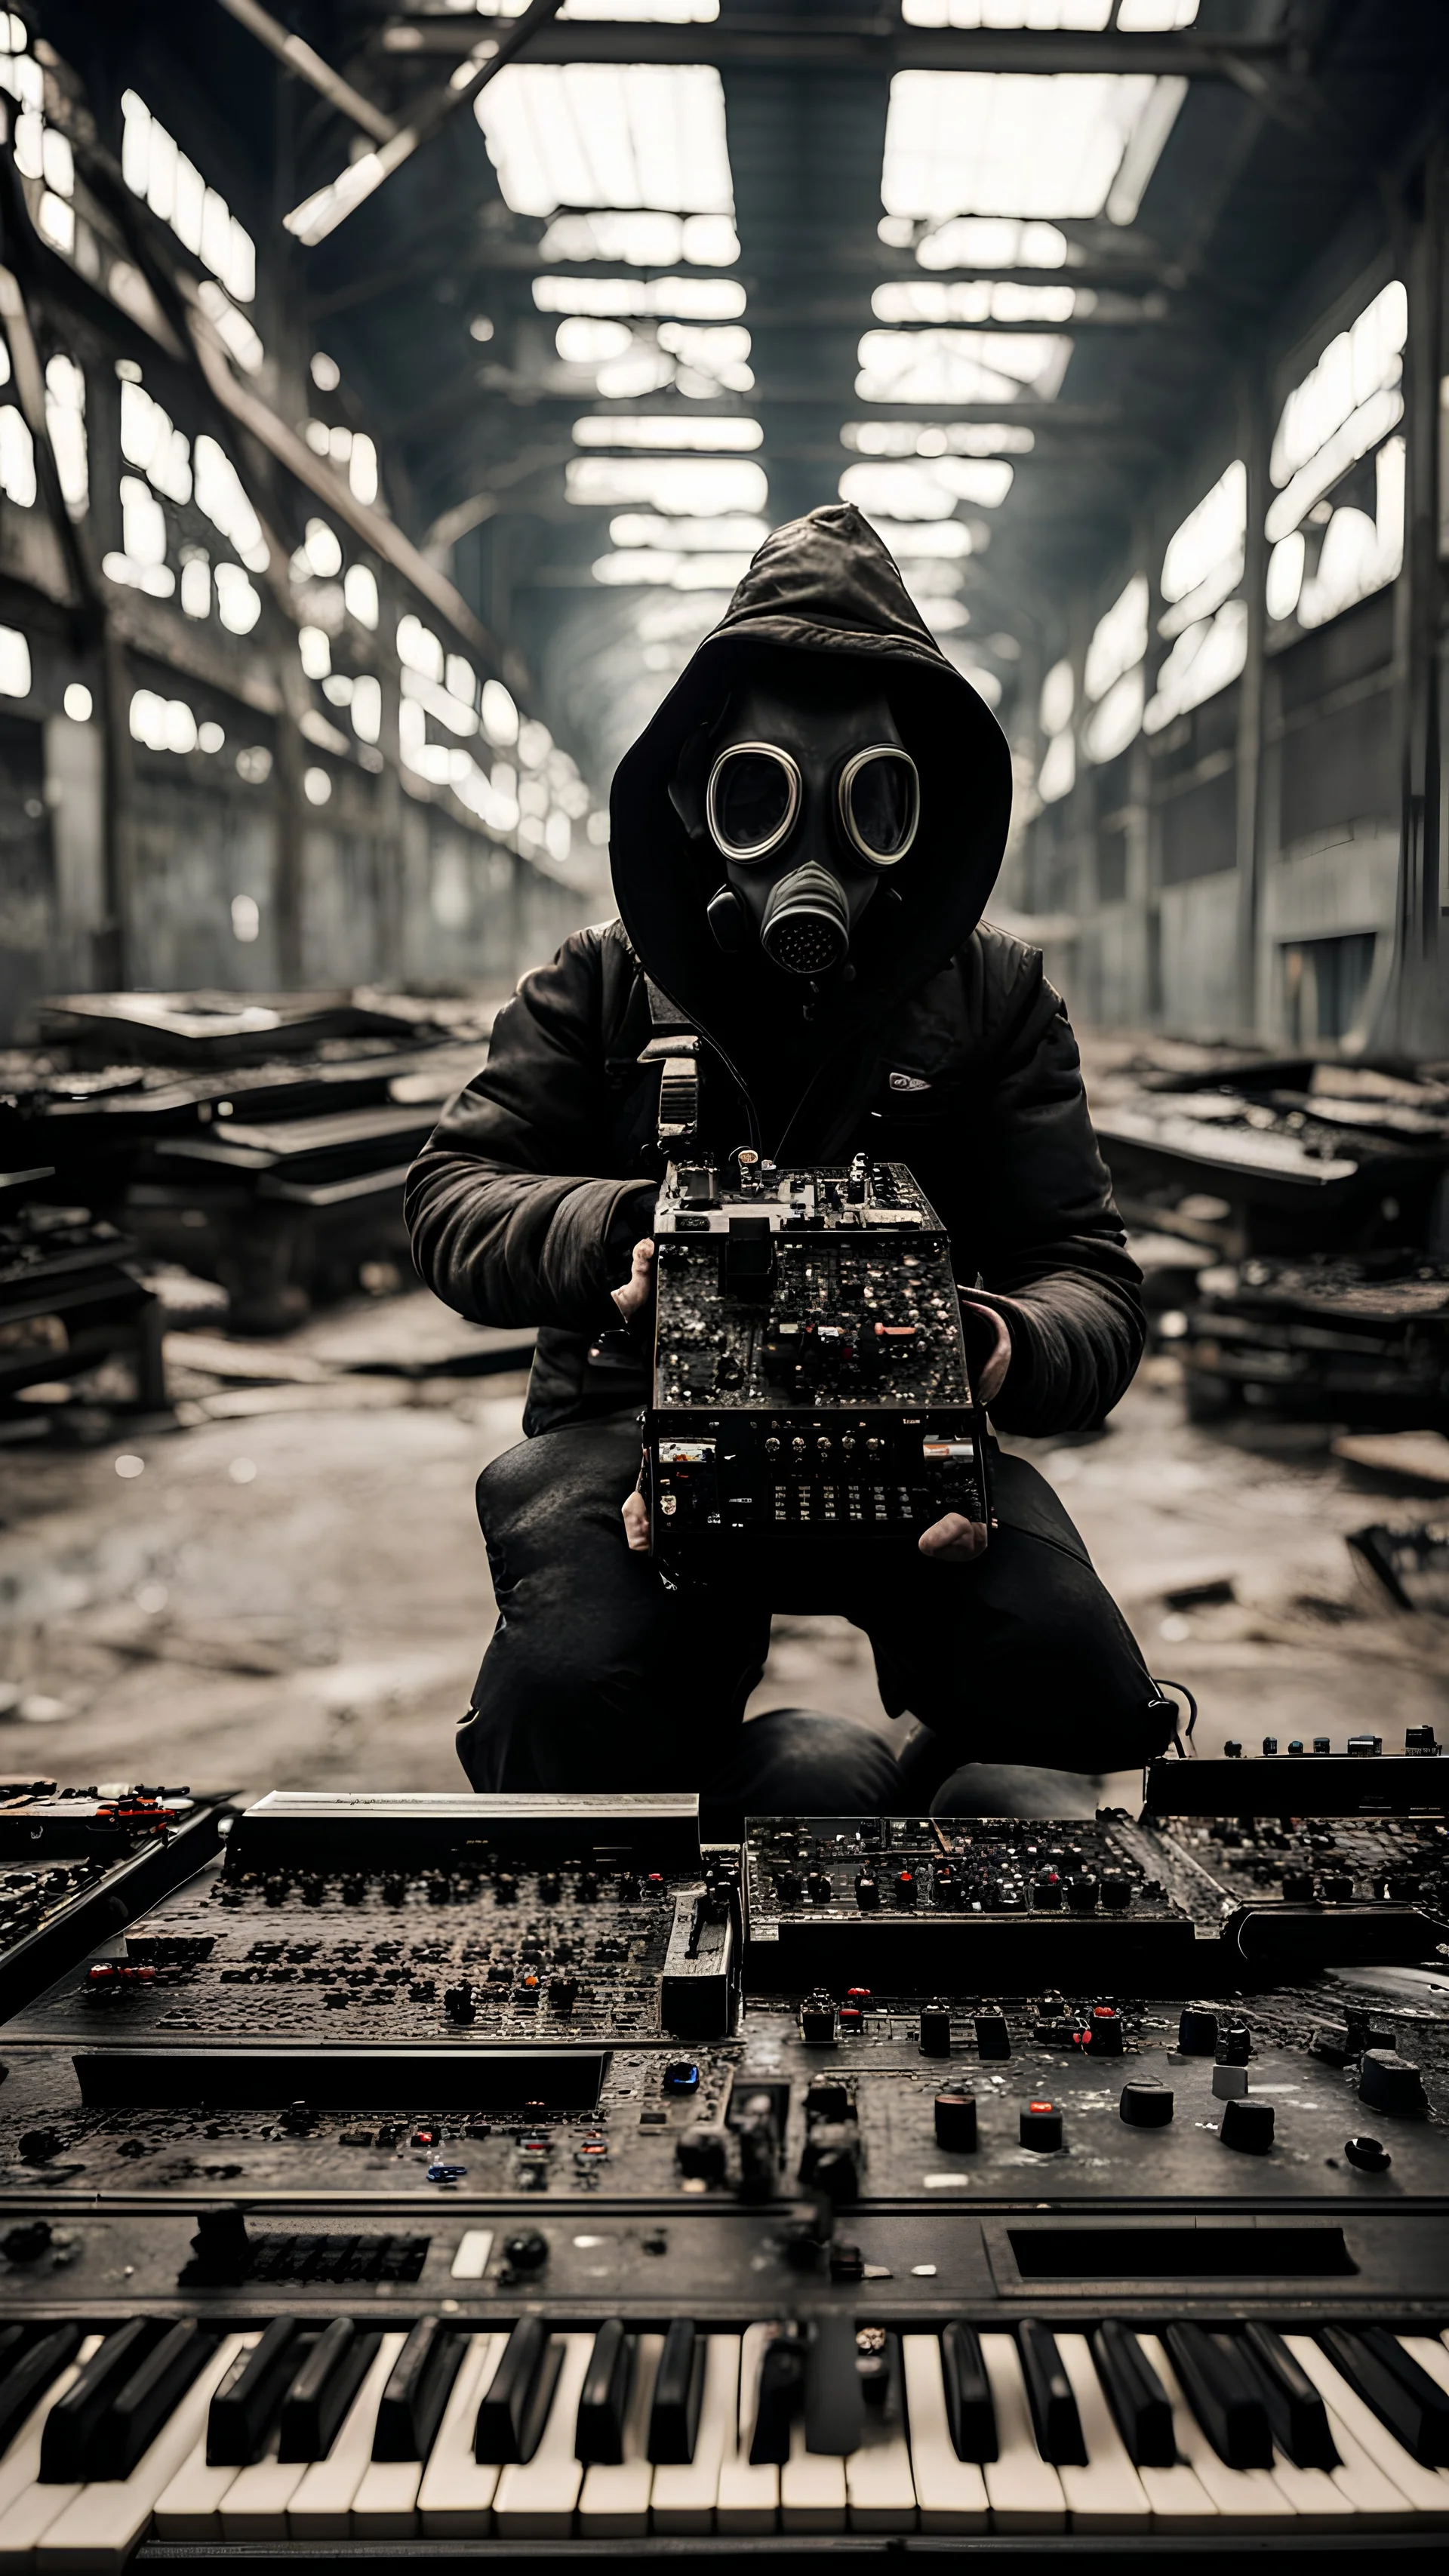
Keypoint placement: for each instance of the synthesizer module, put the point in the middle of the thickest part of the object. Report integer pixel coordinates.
(809, 1363)
(464, 2179)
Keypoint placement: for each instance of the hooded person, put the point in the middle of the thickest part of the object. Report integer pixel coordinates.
(803, 841)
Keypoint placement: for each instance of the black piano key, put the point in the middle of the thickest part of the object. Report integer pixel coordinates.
(782, 2377)
(678, 2388)
(417, 2391)
(248, 2401)
(323, 2389)
(515, 2407)
(1139, 2402)
(1226, 2401)
(1296, 2412)
(66, 2445)
(32, 2365)
(1049, 2394)
(143, 2405)
(1414, 2406)
(969, 2411)
(834, 2397)
(604, 2397)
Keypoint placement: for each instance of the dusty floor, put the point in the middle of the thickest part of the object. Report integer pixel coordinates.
(289, 1588)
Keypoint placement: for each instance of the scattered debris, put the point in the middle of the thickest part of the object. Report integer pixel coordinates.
(1412, 1564)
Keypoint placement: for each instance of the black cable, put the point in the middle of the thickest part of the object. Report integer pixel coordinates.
(1162, 1684)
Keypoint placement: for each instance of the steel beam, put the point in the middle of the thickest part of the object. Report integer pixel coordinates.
(774, 41)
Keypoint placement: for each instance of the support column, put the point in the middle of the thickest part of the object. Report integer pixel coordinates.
(1415, 1016)
(1253, 440)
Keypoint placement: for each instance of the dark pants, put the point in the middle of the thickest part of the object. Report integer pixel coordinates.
(598, 1678)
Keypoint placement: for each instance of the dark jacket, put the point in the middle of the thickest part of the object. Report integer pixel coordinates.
(950, 1052)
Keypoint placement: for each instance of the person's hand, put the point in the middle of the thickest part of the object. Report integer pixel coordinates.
(989, 1380)
(631, 1300)
(633, 1297)
(953, 1539)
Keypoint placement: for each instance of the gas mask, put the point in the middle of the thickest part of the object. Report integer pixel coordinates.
(810, 803)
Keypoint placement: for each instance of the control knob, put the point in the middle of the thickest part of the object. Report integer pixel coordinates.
(1389, 2082)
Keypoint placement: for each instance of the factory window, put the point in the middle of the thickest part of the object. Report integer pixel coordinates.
(1324, 558)
(609, 136)
(220, 495)
(155, 168)
(1013, 143)
(65, 418)
(1325, 985)
(17, 458)
(1113, 676)
(14, 663)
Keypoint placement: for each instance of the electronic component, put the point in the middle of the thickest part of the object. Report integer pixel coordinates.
(809, 1363)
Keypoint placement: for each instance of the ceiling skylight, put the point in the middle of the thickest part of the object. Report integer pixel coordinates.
(984, 241)
(1048, 14)
(685, 487)
(1020, 143)
(707, 430)
(973, 299)
(915, 489)
(937, 438)
(679, 299)
(960, 366)
(643, 239)
(610, 135)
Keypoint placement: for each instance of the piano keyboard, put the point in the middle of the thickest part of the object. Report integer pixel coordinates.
(339, 2432)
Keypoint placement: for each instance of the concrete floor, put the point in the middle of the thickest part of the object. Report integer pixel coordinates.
(291, 1589)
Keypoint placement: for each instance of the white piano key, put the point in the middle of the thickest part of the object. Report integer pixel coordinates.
(27, 2509)
(880, 2492)
(1427, 2490)
(535, 2498)
(950, 2493)
(254, 2506)
(1248, 2497)
(1106, 2495)
(748, 2497)
(99, 2530)
(1025, 2491)
(20, 2466)
(812, 2487)
(614, 2499)
(190, 2508)
(455, 2499)
(385, 2506)
(684, 2495)
(320, 2507)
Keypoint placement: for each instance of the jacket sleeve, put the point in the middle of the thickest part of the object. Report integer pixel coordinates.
(513, 1214)
(1053, 1252)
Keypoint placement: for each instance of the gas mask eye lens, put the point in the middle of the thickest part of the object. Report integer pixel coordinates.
(880, 804)
(752, 800)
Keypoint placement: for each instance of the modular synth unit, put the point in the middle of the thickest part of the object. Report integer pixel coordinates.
(433, 2179)
(809, 1366)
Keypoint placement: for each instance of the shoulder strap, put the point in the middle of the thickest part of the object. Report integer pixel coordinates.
(674, 1047)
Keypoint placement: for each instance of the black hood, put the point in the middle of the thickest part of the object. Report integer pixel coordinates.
(825, 585)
